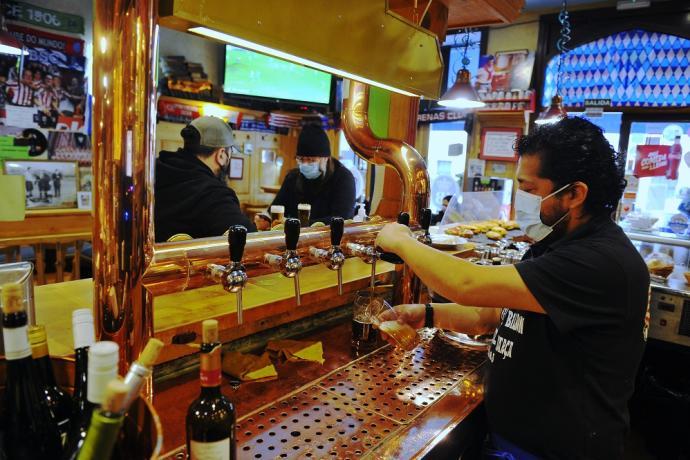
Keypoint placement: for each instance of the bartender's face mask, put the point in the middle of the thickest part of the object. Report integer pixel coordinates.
(528, 213)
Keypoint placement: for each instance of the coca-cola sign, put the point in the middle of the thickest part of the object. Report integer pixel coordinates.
(652, 160)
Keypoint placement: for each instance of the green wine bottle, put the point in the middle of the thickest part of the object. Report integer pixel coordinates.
(30, 431)
(105, 423)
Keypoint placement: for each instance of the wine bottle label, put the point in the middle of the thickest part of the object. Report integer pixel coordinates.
(209, 374)
(217, 450)
(16, 343)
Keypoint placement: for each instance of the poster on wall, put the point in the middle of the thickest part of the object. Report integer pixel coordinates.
(651, 160)
(505, 71)
(23, 143)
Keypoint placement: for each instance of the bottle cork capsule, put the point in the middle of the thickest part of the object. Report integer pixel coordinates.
(12, 298)
(209, 330)
(115, 394)
(150, 354)
(38, 340)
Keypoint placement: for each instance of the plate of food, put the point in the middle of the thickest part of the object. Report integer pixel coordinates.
(446, 241)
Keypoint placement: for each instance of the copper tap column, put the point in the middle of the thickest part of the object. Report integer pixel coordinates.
(125, 39)
(401, 156)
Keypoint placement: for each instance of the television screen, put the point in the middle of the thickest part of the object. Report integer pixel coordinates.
(248, 73)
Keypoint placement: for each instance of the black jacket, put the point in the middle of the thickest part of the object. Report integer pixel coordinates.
(191, 199)
(330, 195)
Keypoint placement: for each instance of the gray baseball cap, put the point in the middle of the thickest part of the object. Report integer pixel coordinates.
(213, 133)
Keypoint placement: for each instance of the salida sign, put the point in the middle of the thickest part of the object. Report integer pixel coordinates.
(652, 160)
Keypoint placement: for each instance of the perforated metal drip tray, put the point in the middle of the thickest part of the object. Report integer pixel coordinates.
(350, 411)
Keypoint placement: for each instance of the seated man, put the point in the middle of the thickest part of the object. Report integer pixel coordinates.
(191, 195)
(319, 180)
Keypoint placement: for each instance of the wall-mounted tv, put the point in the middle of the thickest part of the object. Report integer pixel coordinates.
(251, 74)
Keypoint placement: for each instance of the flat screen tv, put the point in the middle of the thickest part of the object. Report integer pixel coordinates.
(251, 74)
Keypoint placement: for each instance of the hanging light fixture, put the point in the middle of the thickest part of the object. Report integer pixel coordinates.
(555, 111)
(462, 94)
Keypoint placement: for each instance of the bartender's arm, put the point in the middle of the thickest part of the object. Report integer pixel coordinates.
(451, 317)
(459, 280)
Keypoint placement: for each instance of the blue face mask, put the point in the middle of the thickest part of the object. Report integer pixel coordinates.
(310, 170)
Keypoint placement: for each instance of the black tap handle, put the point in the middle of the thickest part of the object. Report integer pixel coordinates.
(404, 219)
(292, 226)
(237, 238)
(337, 226)
(426, 220)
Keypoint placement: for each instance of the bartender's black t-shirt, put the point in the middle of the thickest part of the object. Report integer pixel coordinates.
(558, 384)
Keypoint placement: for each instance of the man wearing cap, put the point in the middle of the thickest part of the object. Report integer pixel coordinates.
(191, 195)
(319, 180)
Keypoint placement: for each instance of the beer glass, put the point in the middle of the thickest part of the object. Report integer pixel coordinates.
(303, 212)
(365, 337)
(402, 334)
(277, 215)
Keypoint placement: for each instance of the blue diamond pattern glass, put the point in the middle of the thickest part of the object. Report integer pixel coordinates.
(634, 68)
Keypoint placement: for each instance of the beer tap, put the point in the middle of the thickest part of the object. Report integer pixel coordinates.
(404, 219)
(289, 263)
(368, 255)
(234, 276)
(333, 257)
(425, 222)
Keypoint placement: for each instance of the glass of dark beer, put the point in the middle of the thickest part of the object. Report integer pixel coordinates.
(303, 213)
(367, 305)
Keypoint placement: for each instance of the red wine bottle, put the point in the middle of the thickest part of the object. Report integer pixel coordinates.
(103, 357)
(30, 430)
(58, 401)
(210, 421)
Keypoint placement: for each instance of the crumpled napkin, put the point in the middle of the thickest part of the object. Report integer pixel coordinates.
(248, 367)
(297, 350)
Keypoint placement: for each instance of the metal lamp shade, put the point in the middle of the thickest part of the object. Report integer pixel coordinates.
(554, 113)
(461, 95)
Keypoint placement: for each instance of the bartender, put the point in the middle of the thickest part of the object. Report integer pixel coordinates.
(319, 180)
(191, 194)
(571, 315)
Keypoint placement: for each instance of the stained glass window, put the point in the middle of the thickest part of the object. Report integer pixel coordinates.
(634, 68)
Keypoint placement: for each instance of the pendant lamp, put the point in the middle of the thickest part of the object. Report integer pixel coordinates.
(555, 112)
(462, 94)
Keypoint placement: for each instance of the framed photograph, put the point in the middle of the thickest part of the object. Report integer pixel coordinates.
(84, 200)
(85, 178)
(499, 144)
(236, 168)
(48, 184)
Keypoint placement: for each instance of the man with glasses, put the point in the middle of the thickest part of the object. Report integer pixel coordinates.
(319, 180)
(192, 195)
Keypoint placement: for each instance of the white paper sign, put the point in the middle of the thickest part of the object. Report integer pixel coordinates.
(499, 144)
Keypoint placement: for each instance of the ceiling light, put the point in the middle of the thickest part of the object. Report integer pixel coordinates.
(227, 38)
(461, 95)
(554, 113)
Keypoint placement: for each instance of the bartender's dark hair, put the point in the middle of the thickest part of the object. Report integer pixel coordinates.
(575, 149)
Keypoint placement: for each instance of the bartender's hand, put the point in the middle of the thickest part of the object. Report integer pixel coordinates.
(392, 237)
(412, 314)
(262, 222)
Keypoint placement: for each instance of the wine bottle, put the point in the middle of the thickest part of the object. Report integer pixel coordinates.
(210, 422)
(30, 430)
(84, 336)
(141, 369)
(102, 369)
(105, 423)
(58, 401)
